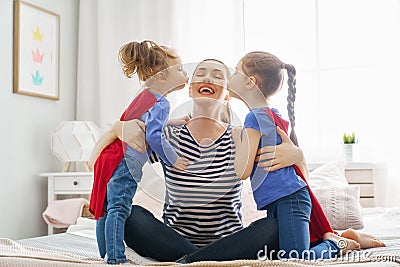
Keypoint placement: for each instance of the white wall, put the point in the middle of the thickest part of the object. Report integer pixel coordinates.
(26, 125)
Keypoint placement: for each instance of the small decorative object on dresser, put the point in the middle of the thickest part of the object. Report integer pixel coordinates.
(350, 148)
(73, 141)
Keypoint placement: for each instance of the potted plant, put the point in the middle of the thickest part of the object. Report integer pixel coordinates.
(349, 142)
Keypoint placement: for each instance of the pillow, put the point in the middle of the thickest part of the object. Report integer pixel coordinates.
(341, 206)
(329, 174)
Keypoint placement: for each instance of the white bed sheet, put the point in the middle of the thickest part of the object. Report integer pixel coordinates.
(381, 222)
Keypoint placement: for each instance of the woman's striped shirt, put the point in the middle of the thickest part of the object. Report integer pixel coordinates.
(202, 203)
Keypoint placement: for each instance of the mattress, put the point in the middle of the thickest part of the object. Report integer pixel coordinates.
(78, 247)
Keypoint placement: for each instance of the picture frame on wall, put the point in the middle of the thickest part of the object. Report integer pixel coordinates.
(36, 51)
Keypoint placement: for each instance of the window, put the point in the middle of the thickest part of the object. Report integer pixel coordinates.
(346, 55)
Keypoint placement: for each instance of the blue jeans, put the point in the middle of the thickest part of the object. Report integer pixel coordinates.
(117, 207)
(293, 214)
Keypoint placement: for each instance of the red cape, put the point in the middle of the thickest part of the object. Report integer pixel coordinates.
(112, 155)
(319, 224)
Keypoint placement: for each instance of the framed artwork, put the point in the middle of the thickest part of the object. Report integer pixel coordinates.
(36, 51)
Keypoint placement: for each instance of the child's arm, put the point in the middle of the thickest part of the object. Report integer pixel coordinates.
(246, 149)
(156, 139)
(132, 132)
(107, 138)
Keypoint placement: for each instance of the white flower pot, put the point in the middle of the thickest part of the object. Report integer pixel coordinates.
(350, 152)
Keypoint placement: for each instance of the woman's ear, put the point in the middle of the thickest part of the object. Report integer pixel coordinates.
(190, 91)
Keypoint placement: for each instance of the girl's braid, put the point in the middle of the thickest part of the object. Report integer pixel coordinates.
(291, 98)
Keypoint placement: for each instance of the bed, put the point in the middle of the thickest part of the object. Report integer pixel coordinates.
(77, 247)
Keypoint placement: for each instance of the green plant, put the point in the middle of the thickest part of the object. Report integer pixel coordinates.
(349, 138)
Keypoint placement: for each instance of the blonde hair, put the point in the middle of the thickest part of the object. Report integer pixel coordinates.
(145, 58)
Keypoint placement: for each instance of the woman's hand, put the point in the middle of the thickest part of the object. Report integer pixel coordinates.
(181, 163)
(273, 158)
(237, 134)
(90, 163)
(131, 132)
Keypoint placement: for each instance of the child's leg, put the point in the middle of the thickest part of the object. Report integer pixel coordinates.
(100, 235)
(344, 244)
(327, 249)
(293, 214)
(120, 190)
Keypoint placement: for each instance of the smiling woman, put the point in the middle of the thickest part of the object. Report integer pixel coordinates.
(202, 203)
(210, 80)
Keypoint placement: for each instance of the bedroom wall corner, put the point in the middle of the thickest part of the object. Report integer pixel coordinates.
(26, 125)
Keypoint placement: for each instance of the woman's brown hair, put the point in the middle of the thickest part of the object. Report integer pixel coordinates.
(267, 69)
(145, 58)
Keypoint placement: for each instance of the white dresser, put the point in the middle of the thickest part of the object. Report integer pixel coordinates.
(61, 185)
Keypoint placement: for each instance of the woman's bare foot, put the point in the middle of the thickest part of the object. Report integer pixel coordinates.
(345, 244)
(365, 240)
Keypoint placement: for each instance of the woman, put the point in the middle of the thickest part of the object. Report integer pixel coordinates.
(203, 204)
(191, 231)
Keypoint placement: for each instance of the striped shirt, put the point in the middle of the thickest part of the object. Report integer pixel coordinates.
(202, 203)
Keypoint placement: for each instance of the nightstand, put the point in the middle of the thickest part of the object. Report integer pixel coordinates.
(66, 185)
(360, 174)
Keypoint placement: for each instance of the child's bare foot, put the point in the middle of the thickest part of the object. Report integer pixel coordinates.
(343, 243)
(365, 240)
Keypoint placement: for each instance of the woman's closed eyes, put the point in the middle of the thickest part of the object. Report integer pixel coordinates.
(218, 74)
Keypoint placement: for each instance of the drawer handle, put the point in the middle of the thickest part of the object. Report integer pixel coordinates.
(75, 182)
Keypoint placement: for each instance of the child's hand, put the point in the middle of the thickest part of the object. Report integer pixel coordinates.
(181, 164)
(237, 134)
(92, 161)
(178, 121)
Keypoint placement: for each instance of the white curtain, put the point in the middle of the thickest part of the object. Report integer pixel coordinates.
(346, 54)
(105, 25)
